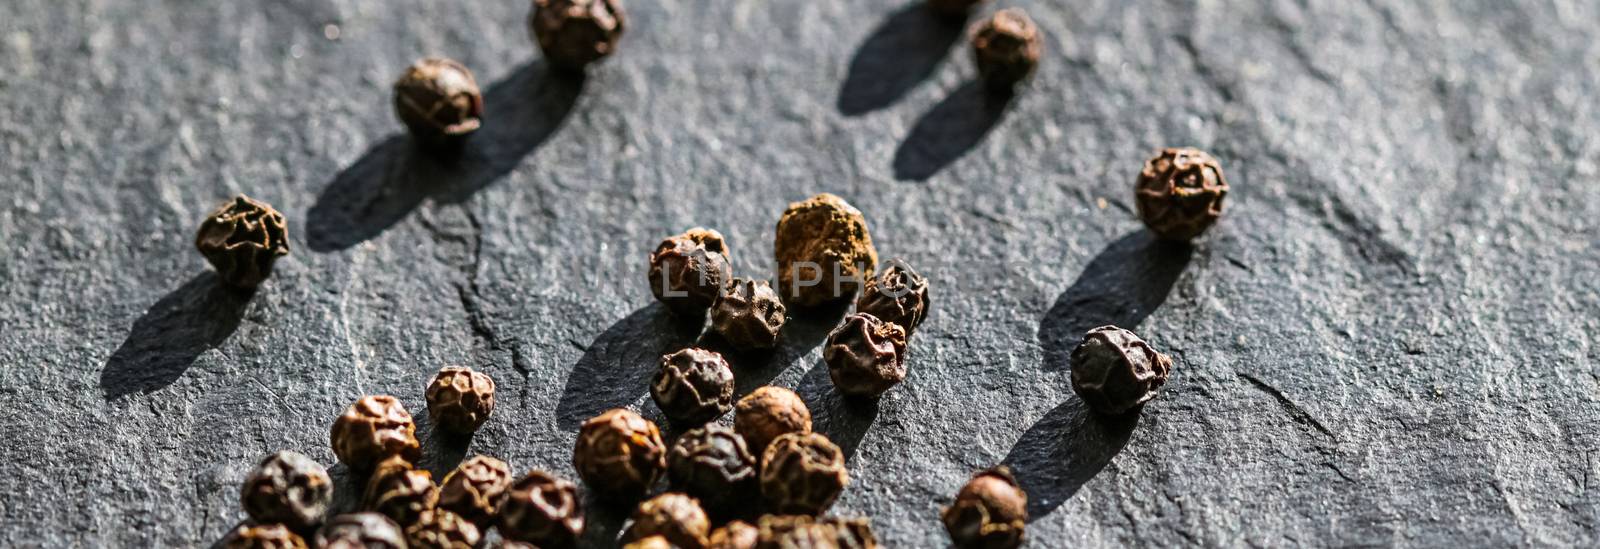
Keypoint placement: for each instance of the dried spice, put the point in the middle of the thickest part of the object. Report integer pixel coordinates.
(241, 239)
(673, 516)
(1006, 46)
(287, 488)
(711, 463)
(804, 532)
(460, 399)
(865, 355)
(400, 492)
(1179, 193)
(440, 529)
(474, 490)
(990, 512)
(1114, 371)
(734, 535)
(373, 428)
(956, 9)
(748, 315)
(823, 250)
(802, 474)
(689, 270)
(575, 33)
(693, 386)
(652, 542)
(619, 454)
(542, 509)
(361, 531)
(263, 536)
(898, 294)
(438, 100)
(768, 413)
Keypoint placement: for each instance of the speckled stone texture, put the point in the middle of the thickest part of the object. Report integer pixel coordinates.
(1389, 339)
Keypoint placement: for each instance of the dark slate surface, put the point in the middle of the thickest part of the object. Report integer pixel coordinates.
(1389, 340)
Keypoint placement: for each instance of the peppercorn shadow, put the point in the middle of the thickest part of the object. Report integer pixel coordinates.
(903, 51)
(616, 368)
(348, 488)
(1121, 286)
(165, 341)
(802, 332)
(442, 450)
(602, 522)
(1063, 450)
(843, 419)
(393, 178)
(949, 130)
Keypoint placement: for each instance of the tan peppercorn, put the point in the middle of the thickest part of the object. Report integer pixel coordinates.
(768, 413)
(688, 270)
(361, 531)
(619, 455)
(264, 536)
(1180, 193)
(373, 428)
(674, 516)
(693, 386)
(824, 251)
(475, 488)
(990, 512)
(242, 239)
(400, 492)
(737, 534)
(287, 488)
(542, 509)
(799, 531)
(898, 294)
(1006, 47)
(460, 399)
(440, 529)
(865, 356)
(575, 33)
(652, 542)
(748, 315)
(802, 474)
(439, 101)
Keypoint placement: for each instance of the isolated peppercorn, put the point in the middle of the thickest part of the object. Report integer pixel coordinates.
(619, 454)
(953, 9)
(400, 492)
(438, 100)
(1006, 46)
(287, 488)
(474, 490)
(805, 532)
(689, 270)
(865, 355)
(361, 531)
(990, 512)
(373, 428)
(802, 474)
(693, 386)
(898, 294)
(1114, 371)
(241, 239)
(768, 413)
(748, 315)
(575, 33)
(711, 463)
(542, 509)
(736, 534)
(262, 536)
(460, 399)
(824, 251)
(440, 529)
(1180, 192)
(674, 516)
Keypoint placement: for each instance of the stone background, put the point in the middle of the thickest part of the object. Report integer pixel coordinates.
(1389, 340)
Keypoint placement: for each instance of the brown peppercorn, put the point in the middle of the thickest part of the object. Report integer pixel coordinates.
(674, 516)
(898, 294)
(241, 239)
(693, 386)
(865, 355)
(748, 315)
(734, 535)
(287, 488)
(373, 428)
(1007, 47)
(475, 489)
(689, 270)
(263, 536)
(400, 492)
(1179, 193)
(1114, 371)
(619, 455)
(802, 474)
(954, 9)
(440, 529)
(805, 532)
(542, 509)
(824, 251)
(711, 463)
(361, 531)
(990, 512)
(768, 413)
(575, 33)
(652, 542)
(460, 399)
(438, 100)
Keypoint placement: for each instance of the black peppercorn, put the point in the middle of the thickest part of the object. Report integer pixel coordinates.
(688, 271)
(734, 535)
(1114, 371)
(673, 516)
(575, 33)
(693, 386)
(438, 100)
(802, 474)
(748, 315)
(768, 413)
(1179, 193)
(1007, 48)
(361, 531)
(652, 542)
(400, 492)
(824, 251)
(287, 488)
(990, 512)
(542, 509)
(242, 238)
(474, 489)
(262, 536)
(954, 9)
(711, 463)
(865, 355)
(805, 532)
(460, 399)
(440, 529)
(898, 294)
(373, 428)
(619, 454)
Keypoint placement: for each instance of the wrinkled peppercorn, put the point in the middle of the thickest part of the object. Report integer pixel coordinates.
(865, 355)
(990, 512)
(736, 534)
(619, 454)
(689, 270)
(693, 386)
(1179, 193)
(460, 399)
(802, 474)
(440, 529)
(674, 516)
(400, 492)
(824, 251)
(652, 542)
(474, 489)
(1114, 371)
(768, 413)
(1007, 48)
(542, 509)
(287, 488)
(373, 428)
(898, 294)
(575, 33)
(711, 463)
(955, 9)
(264, 536)
(361, 531)
(804, 532)
(748, 315)
(241, 239)
(438, 100)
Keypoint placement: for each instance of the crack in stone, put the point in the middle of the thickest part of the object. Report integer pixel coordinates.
(1294, 410)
